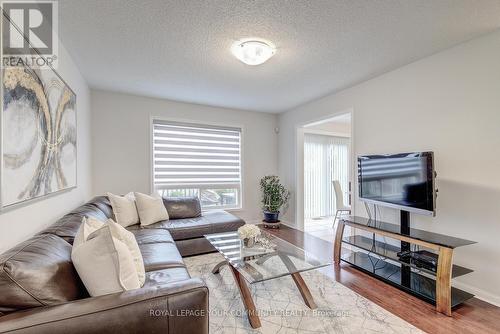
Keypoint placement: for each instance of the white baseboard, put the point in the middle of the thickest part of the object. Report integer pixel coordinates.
(479, 294)
(284, 222)
(259, 221)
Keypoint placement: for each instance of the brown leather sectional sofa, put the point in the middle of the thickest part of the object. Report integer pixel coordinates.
(40, 291)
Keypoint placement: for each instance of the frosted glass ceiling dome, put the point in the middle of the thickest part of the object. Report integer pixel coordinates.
(253, 52)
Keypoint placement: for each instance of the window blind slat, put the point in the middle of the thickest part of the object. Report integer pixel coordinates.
(192, 177)
(196, 151)
(193, 181)
(194, 156)
(213, 143)
(173, 185)
(231, 170)
(196, 130)
(193, 137)
(197, 164)
(194, 174)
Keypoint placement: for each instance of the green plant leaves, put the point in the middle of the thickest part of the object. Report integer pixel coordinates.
(274, 194)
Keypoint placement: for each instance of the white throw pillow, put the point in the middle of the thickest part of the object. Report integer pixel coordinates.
(108, 260)
(124, 209)
(128, 238)
(151, 209)
(89, 226)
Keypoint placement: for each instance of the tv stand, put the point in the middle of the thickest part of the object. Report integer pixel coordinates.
(405, 246)
(405, 229)
(382, 260)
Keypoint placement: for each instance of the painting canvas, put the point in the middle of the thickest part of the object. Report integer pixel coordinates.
(39, 150)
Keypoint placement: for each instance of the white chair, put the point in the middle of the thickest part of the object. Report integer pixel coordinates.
(339, 200)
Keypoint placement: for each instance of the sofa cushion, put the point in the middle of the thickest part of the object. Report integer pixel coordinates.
(195, 246)
(216, 221)
(67, 226)
(182, 207)
(38, 272)
(151, 236)
(158, 278)
(160, 256)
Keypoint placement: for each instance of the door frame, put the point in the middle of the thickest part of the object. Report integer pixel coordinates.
(300, 130)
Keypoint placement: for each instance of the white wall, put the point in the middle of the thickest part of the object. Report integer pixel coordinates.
(121, 143)
(448, 103)
(20, 223)
(334, 128)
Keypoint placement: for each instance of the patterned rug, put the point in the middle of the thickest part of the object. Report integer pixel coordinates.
(282, 309)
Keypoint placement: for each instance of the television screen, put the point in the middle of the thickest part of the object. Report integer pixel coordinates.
(404, 181)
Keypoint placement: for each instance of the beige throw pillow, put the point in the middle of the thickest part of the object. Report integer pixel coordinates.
(151, 209)
(124, 209)
(128, 238)
(108, 260)
(89, 226)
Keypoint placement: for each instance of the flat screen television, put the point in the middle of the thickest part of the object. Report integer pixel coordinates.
(403, 181)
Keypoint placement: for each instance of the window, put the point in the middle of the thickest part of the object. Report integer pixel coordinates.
(198, 160)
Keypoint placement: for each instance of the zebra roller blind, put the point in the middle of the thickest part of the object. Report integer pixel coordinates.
(195, 156)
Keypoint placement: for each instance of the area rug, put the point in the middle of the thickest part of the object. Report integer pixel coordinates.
(282, 309)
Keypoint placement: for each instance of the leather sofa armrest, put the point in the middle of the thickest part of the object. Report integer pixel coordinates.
(177, 307)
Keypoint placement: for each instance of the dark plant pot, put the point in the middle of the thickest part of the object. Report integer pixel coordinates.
(271, 217)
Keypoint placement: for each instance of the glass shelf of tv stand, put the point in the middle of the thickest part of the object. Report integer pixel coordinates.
(389, 251)
(413, 233)
(417, 283)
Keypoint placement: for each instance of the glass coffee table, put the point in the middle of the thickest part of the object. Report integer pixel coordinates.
(271, 257)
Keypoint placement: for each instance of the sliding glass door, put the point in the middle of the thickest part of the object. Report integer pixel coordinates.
(326, 158)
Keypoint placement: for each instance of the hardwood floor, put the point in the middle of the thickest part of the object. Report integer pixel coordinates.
(474, 316)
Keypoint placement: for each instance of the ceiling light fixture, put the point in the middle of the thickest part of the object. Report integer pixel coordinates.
(253, 52)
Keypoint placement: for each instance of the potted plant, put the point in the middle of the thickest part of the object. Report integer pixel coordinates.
(274, 197)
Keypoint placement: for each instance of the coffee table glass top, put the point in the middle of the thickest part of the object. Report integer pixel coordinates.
(270, 257)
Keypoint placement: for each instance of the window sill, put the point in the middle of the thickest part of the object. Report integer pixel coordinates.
(236, 209)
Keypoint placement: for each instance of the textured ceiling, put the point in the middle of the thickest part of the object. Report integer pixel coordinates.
(180, 50)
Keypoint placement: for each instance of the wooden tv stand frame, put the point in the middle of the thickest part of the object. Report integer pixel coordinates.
(443, 288)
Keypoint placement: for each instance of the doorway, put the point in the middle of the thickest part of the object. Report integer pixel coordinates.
(326, 158)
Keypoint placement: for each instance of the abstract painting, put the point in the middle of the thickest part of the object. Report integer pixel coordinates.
(38, 135)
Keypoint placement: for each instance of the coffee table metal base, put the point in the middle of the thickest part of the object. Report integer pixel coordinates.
(216, 269)
(246, 297)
